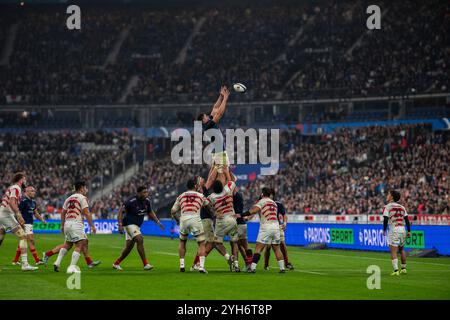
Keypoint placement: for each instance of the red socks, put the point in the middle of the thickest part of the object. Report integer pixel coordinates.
(88, 260)
(35, 255)
(49, 253)
(197, 259)
(16, 258)
(145, 262)
(118, 261)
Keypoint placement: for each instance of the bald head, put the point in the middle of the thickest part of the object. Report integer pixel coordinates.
(30, 191)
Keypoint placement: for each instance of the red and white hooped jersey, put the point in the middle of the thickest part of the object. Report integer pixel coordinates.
(190, 203)
(74, 206)
(268, 213)
(13, 192)
(396, 214)
(223, 202)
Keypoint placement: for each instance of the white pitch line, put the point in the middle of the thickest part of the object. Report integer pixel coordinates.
(367, 258)
(312, 272)
(167, 253)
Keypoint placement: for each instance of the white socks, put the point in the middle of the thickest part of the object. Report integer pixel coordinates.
(281, 264)
(61, 254)
(253, 266)
(75, 257)
(403, 265)
(395, 264)
(227, 256)
(202, 262)
(24, 252)
(181, 262)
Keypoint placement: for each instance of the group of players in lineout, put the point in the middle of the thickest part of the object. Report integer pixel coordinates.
(209, 210)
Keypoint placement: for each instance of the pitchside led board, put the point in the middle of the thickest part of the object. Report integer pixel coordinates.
(344, 236)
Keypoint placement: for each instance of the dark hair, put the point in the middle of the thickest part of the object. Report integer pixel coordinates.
(200, 116)
(395, 195)
(191, 184)
(217, 186)
(266, 192)
(141, 188)
(272, 192)
(78, 185)
(17, 177)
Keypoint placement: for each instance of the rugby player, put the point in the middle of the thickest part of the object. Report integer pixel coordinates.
(396, 216)
(238, 205)
(190, 203)
(11, 218)
(219, 158)
(29, 210)
(130, 218)
(282, 219)
(206, 217)
(222, 201)
(74, 208)
(269, 231)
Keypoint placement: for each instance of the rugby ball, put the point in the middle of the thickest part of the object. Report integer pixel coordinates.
(239, 87)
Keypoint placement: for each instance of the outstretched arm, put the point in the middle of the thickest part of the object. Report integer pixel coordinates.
(225, 93)
(217, 104)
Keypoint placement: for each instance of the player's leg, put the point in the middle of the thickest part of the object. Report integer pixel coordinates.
(394, 259)
(51, 252)
(182, 251)
(219, 234)
(90, 263)
(283, 249)
(259, 247)
(403, 259)
(278, 255)
(266, 258)
(129, 245)
(2, 235)
(23, 244)
(62, 253)
(202, 254)
(15, 261)
(139, 239)
(31, 244)
(73, 267)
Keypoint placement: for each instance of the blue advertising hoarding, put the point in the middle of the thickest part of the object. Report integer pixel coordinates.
(342, 236)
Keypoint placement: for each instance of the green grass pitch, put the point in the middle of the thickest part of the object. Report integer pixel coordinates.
(324, 274)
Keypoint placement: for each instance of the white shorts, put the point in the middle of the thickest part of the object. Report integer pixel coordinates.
(282, 237)
(242, 231)
(28, 229)
(269, 234)
(7, 220)
(191, 224)
(74, 231)
(220, 160)
(131, 231)
(208, 229)
(397, 237)
(226, 227)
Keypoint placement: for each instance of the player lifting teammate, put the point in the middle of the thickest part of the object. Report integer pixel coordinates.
(130, 218)
(11, 218)
(396, 216)
(190, 203)
(282, 219)
(269, 231)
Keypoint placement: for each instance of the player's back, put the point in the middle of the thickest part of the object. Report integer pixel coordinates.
(74, 206)
(13, 191)
(191, 202)
(223, 202)
(27, 207)
(396, 214)
(268, 213)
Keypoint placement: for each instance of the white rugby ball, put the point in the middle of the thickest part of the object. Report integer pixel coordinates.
(239, 87)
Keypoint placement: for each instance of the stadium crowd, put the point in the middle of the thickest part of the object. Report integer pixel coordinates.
(349, 171)
(282, 50)
(53, 160)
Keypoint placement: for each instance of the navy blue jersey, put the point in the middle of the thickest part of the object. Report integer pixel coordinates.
(238, 205)
(281, 211)
(212, 125)
(27, 207)
(204, 214)
(135, 211)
